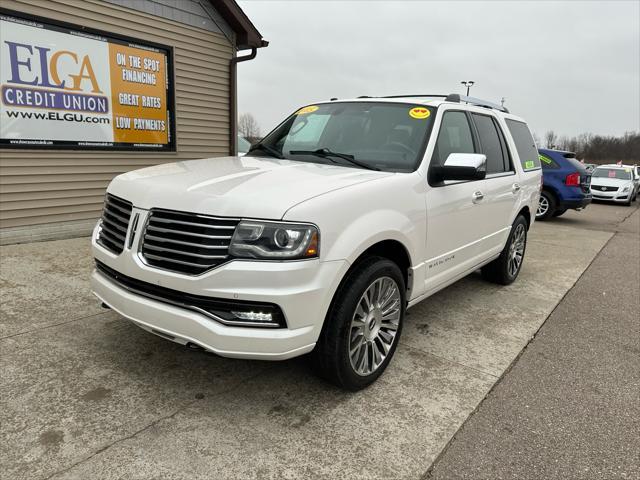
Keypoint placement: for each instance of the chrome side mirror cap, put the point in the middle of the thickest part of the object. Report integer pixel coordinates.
(460, 166)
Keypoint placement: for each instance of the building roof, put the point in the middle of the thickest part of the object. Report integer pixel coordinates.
(247, 35)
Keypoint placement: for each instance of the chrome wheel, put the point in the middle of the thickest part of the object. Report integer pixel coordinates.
(516, 250)
(543, 206)
(374, 325)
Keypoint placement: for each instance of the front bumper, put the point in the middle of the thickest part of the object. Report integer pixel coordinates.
(303, 290)
(613, 196)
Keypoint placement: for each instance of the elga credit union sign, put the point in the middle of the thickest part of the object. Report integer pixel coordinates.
(65, 88)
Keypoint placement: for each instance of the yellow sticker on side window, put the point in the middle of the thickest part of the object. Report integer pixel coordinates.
(309, 109)
(419, 112)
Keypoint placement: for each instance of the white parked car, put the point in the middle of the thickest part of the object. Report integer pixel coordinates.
(614, 183)
(320, 238)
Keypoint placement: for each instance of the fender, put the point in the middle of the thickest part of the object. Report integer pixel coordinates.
(354, 219)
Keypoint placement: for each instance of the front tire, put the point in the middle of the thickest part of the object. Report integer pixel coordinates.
(363, 326)
(546, 206)
(505, 269)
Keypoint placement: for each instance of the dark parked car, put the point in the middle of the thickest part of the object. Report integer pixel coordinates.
(565, 184)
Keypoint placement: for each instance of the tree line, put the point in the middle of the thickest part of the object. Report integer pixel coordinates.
(597, 148)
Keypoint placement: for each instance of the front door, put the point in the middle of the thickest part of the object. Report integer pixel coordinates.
(455, 219)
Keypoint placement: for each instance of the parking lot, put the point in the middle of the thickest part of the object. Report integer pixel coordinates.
(87, 394)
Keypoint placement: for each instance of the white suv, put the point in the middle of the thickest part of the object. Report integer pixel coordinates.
(321, 237)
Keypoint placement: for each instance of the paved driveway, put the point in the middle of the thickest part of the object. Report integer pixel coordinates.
(86, 394)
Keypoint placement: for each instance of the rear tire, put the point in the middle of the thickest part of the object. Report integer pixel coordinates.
(505, 269)
(362, 328)
(557, 213)
(546, 205)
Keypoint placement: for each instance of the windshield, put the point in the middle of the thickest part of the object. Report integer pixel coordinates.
(619, 173)
(243, 145)
(376, 135)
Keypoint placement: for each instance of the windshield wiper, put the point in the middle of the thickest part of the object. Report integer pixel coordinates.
(326, 153)
(266, 148)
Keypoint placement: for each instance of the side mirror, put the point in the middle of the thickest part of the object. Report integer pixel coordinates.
(461, 166)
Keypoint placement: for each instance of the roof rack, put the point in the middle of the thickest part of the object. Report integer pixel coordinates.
(415, 95)
(454, 97)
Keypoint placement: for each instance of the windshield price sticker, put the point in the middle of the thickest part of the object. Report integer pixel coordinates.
(612, 174)
(419, 113)
(309, 109)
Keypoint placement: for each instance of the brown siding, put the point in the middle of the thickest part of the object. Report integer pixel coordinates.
(45, 186)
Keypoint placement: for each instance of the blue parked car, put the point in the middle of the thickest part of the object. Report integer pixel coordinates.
(565, 184)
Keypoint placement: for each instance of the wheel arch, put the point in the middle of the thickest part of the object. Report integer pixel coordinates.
(391, 249)
(526, 213)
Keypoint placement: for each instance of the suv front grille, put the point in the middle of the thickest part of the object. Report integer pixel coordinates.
(186, 242)
(115, 222)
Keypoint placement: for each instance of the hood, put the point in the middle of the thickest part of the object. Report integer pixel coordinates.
(257, 187)
(609, 182)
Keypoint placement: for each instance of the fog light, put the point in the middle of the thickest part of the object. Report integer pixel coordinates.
(253, 316)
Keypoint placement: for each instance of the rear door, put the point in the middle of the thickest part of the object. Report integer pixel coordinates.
(501, 186)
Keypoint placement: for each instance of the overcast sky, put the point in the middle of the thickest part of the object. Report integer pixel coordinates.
(571, 66)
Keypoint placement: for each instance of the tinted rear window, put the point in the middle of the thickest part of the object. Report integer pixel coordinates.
(577, 163)
(525, 145)
(547, 163)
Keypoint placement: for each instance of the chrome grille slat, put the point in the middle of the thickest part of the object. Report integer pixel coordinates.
(185, 242)
(115, 215)
(199, 235)
(113, 228)
(113, 224)
(113, 205)
(198, 255)
(112, 238)
(109, 229)
(193, 224)
(188, 244)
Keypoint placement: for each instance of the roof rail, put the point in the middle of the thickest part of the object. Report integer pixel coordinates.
(456, 98)
(415, 95)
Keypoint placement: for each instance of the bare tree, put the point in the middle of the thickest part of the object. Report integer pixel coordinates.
(248, 127)
(550, 139)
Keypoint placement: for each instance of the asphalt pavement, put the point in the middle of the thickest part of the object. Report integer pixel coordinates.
(569, 408)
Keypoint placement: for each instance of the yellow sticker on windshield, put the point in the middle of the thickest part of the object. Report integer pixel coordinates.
(419, 112)
(309, 109)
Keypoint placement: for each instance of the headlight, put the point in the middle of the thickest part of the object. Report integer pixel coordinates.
(274, 241)
(625, 189)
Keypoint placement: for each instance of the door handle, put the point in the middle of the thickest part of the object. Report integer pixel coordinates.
(516, 187)
(477, 196)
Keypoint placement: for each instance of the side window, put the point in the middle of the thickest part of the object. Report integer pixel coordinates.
(490, 143)
(525, 144)
(454, 137)
(547, 163)
(508, 161)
